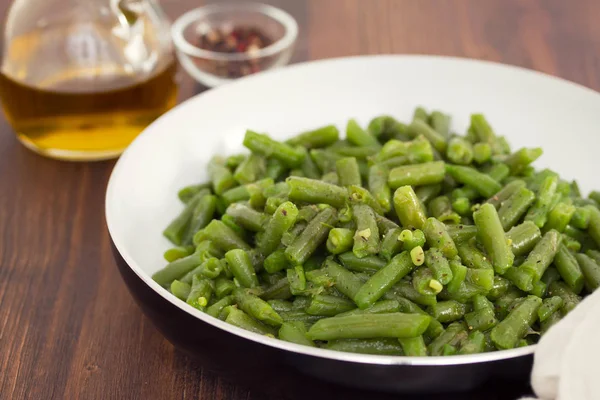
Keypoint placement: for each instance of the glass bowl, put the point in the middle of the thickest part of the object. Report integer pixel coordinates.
(212, 68)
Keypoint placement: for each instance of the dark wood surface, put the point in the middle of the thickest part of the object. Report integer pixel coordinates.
(68, 327)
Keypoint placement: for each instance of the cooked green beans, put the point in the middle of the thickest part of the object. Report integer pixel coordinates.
(401, 239)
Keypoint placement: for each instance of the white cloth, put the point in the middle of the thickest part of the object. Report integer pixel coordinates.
(567, 360)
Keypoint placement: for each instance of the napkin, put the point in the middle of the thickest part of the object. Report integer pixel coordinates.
(566, 362)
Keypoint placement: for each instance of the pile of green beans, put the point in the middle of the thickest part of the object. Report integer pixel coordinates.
(401, 239)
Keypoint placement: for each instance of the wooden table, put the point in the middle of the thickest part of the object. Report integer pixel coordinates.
(68, 327)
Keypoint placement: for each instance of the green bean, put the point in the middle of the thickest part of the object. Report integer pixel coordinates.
(465, 292)
(570, 299)
(359, 195)
(224, 287)
(459, 151)
(358, 136)
(242, 320)
(542, 255)
(340, 240)
(447, 311)
(499, 288)
(493, 238)
(481, 320)
(435, 260)
(417, 174)
(251, 169)
(515, 207)
(424, 282)
(482, 152)
(509, 331)
(384, 127)
(276, 261)
(359, 152)
(569, 269)
(408, 207)
(453, 335)
(308, 167)
(440, 122)
(345, 281)
(543, 203)
(229, 221)
(379, 187)
(177, 230)
(281, 221)
(420, 127)
(482, 129)
(365, 264)
(267, 147)
(595, 195)
(484, 184)
(427, 193)
(246, 217)
(381, 307)
(175, 253)
(281, 305)
(498, 172)
(330, 177)
(256, 307)
(391, 244)
(421, 114)
(177, 269)
(329, 306)
(414, 347)
(459, 274)
(325, 160)
(559, 217)
(580, 218)
(366, 238)
(383, 280)
(296, 279)
(295, 332)
(314, 191)
(522, 158)
(523, 237)
(506, 192)
(438, 237)
(383, 346)
(441, 209)
(220, 176)
(241, 267)
(217, 308)
(483, 278)
(594, 225)
(406, 290)
(591, 271)
(279, 290)
(550, 321)
(503, 303)
(393, 325)
(549, 307)
(320, 137)
(475, 343)
(461, 233)
(224, 237)
(411, 239)
(189, 192)
(275, 169)
(523, 279)
(181, 290)
(472, 257)
(200, 293)
(347, 170)
(311, 237)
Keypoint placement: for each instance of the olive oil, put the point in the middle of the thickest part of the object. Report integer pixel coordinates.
(78, 119)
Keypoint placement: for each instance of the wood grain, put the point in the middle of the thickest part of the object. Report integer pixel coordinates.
(68, 327)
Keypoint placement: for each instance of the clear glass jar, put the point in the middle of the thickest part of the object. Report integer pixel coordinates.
(80, 79)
